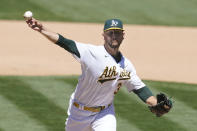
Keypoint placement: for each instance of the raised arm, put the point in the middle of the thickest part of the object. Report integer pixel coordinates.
(37, 26)
(56, 38)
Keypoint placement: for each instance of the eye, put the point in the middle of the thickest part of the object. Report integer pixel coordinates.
(118, 32)
(110, 33)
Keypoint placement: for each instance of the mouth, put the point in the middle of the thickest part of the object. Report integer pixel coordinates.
(114, 44)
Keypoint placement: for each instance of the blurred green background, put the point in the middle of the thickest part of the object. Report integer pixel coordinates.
(145, 12)
(40, 103)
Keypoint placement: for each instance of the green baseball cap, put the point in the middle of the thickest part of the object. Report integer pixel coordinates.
(113, 24)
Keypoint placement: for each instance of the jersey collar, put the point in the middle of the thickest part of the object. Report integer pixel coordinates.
(106, 54)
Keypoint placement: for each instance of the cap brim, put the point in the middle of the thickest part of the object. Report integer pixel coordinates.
(113, 28)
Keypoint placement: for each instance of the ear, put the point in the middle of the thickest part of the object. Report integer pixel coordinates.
(103, 34)
(123, 35)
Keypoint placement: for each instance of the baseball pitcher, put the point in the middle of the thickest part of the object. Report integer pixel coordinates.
(104, 71)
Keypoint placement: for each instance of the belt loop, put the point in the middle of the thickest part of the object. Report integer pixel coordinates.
(81, 107)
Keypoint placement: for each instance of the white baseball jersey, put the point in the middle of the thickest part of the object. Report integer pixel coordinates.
(102, 75)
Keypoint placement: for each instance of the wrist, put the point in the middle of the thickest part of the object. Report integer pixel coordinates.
(152, 101)
(43, 30)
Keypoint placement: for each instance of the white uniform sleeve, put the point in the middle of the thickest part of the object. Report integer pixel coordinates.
(82, 48)
(134, 83)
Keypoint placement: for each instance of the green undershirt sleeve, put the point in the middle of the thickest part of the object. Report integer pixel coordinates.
(143, 93)
(68, 45)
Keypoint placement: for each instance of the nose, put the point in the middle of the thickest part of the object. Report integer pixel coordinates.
(113, 35)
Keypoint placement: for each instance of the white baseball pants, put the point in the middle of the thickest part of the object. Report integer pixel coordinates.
(82, 120)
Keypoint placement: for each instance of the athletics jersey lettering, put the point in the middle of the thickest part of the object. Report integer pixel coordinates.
(110, 74)
(124, 75)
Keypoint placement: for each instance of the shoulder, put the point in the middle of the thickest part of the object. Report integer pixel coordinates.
(87, 45)
(88, 50)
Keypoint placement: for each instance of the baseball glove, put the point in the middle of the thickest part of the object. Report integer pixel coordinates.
(164, 104)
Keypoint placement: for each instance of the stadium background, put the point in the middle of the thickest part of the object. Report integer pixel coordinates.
(37, 77)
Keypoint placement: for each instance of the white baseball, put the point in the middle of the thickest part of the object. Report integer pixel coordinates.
(28, 15)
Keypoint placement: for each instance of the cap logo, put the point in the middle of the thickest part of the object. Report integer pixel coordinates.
(114, 23)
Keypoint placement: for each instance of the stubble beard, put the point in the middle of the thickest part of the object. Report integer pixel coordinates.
(114, 46)
(113, 43)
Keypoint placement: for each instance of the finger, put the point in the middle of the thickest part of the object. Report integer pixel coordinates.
(36, 29)
(36, 23)
(33, 26)
(29, 21)
(34, 20)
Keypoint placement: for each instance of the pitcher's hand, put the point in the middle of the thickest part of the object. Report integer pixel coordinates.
(34, 24)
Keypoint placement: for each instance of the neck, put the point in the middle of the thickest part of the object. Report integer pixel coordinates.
(111, 51)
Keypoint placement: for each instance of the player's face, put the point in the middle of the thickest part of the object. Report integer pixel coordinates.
(113, 38)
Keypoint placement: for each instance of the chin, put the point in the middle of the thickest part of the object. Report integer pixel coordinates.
(114, 46)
